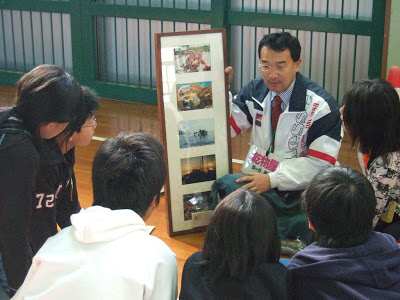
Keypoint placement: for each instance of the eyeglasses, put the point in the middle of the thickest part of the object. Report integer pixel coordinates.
(91, 125)
(268, 68)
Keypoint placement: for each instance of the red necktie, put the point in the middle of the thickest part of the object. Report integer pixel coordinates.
(276, 112)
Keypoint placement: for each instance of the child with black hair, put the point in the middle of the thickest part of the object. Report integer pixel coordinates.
(108, 252)
(240, 257)
(348, 260)
(48, 99)
(56, 189)
(371, 115)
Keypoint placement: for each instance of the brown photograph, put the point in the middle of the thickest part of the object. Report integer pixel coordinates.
(196, 202)
(198, 169)
(192, 96)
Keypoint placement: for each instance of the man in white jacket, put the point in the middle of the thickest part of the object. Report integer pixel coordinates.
(108, 253)
(295, 125)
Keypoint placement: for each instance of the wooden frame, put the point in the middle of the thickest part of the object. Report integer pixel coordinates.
(194, 122)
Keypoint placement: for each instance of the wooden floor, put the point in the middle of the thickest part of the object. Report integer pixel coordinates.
(115, 116)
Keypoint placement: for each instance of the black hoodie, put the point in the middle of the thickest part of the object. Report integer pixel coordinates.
(35, 195)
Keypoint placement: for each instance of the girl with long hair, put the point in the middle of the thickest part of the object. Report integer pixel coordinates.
(371, 115)
(240, 257)
(48, 99)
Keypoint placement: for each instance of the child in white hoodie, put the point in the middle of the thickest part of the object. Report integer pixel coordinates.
(108, 253)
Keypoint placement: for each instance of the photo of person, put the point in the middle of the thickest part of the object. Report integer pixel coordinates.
(196, 202)
(194, 58)
(198, 169)
(196, 133)
(194, 95)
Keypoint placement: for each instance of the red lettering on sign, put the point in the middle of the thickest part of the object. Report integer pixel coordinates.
(273, 165)
(257, 158)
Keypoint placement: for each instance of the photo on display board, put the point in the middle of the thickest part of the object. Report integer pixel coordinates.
(198, 169)
(195, 133)
(196, 202)
(192, 96)
(194, 58)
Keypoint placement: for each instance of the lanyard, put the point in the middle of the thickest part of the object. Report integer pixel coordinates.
(271, 146)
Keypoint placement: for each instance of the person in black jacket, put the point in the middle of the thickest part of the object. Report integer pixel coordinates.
(240, 257)
(48, 99)
(55, 192)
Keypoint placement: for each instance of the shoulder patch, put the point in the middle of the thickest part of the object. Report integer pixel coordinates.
(258, 119)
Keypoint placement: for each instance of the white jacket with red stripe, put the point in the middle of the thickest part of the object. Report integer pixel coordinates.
(308, 134)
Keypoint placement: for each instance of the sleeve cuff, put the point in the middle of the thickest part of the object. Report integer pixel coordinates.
(273, 179)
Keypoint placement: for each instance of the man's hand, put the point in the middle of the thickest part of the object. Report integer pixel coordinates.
(229, 74)
(259, 183)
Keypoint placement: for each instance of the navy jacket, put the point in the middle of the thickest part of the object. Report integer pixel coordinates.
(367, 271)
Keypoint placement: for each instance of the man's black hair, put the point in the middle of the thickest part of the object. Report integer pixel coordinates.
(280, 42)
